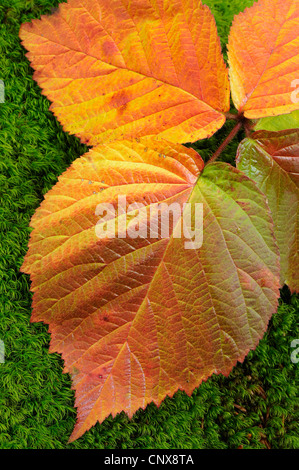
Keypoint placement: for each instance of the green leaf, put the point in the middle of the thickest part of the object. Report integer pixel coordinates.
(271, 159)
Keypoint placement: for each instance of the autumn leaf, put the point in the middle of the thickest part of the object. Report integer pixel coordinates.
(127, 69)
(271, 159)
(138, 317)
(263, 57)
(152, 271)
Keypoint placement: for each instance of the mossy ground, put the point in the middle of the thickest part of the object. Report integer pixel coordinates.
(255, 407)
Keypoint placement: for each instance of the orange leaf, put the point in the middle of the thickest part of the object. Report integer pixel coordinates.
(137, 318)
(271, 159)
(263, 56)
(125, 69)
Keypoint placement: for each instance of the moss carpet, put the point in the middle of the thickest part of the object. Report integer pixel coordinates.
(255, 407)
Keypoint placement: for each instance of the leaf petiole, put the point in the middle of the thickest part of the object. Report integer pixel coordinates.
(224, 144)
(235, 117)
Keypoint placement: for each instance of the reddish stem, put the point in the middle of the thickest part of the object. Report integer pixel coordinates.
(224, 144)
(235, 117)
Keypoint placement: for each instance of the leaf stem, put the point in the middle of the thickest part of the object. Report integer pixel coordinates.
(235, 117)
(224, 144)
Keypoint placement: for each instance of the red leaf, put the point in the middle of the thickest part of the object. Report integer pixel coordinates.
(136, 319)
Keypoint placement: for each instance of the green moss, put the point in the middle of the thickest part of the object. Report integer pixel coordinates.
(254, 407)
